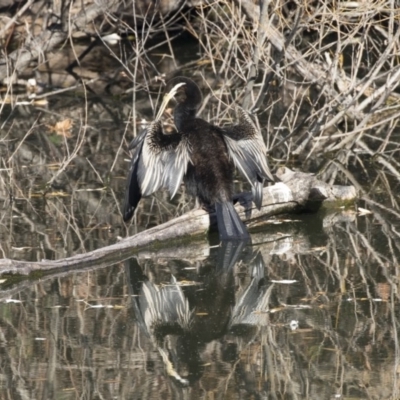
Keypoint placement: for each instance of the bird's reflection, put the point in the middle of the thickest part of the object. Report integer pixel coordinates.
(181, 320)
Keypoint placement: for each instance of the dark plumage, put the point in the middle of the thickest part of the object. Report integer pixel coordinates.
(201, 154)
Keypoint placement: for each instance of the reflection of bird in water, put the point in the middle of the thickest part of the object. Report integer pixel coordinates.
(201, 154)
(166, 314)
(251, 308)
(160, 311)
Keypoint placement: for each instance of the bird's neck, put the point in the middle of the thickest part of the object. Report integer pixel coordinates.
(182, 114)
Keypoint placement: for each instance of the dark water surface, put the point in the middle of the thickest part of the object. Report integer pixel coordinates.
(304, 316)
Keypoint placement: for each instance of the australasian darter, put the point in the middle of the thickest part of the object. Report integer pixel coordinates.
(202, 155)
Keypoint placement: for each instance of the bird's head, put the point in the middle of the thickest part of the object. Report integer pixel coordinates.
(186, 93)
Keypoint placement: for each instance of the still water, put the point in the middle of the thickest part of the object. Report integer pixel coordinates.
(310, 315)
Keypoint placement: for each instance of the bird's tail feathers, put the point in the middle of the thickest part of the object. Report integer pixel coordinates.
(230, 226)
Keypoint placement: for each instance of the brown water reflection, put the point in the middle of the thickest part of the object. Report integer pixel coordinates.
(301, 317)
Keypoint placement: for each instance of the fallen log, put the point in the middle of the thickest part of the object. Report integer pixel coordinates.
(297, 191)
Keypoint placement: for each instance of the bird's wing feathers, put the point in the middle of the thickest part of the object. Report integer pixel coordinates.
(176, 166)
(163, 161)
(247, 149)
(133, 192)
(137, 140)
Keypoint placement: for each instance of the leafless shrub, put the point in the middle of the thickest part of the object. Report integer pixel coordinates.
(320, 79)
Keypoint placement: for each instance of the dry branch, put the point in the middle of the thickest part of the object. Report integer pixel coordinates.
(321, 74)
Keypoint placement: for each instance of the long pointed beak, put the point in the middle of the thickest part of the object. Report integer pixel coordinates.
(167, 97)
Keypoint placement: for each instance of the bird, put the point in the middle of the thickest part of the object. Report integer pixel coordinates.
(200, 154)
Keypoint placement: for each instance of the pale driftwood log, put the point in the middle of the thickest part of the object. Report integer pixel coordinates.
(289, 240)
(309, 189)
(297, 191)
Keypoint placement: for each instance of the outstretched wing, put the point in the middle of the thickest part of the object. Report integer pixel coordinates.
(247, 149)
(159, 161)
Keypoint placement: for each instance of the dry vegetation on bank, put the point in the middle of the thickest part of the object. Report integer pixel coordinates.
(320, 77)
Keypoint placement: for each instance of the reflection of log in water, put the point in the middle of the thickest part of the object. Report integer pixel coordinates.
(340, 326)
(298, 191)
